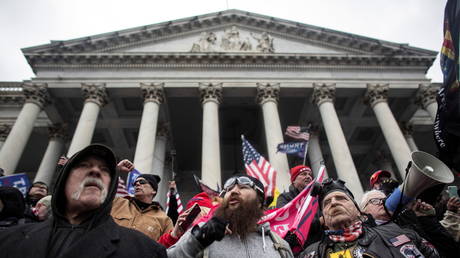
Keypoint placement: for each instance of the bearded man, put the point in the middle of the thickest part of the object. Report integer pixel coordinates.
(81, 225)
(348, 235)
(233, 230)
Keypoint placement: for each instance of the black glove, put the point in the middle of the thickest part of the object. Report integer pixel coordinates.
(388, 186)
(213, 230)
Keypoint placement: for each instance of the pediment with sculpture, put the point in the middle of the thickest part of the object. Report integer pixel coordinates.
(231, 40)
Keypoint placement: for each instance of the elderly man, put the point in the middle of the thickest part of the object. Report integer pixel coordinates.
(301, 176)
(81, 225)
(348, 236)
(141, 212)
(420, 217)
(373, 204)
(233, 230)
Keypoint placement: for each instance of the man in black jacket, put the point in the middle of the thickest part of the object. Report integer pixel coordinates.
(81, 225)
(347, 234)
(301, 176)
(11, 207)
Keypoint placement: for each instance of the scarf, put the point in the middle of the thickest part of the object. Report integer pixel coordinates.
(348, 234)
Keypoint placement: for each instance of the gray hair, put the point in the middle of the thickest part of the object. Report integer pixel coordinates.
(366, 198)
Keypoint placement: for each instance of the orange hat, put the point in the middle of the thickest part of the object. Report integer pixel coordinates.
(295, 171)
(377, 174)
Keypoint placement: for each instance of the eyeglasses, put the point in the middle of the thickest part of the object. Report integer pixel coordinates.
(242, 180)
(375, 201)
(140, 181)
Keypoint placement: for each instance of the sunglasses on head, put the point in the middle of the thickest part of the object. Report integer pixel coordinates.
(242, 180)
(140, 181)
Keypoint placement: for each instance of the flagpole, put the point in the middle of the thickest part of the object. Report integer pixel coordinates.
(305, 153)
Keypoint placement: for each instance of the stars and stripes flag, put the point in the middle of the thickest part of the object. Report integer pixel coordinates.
(298, 132)
(258, 167)
(121, 189)
(180, 207)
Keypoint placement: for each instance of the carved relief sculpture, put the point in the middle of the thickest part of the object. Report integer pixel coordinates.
(233, 41)
(265, 42)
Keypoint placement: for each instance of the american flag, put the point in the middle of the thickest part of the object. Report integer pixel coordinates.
(399, 240)
(258, 167)
(121, 189)
(298, 132)
(180, 208)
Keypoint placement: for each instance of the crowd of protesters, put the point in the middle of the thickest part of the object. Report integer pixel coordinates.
(84, 218)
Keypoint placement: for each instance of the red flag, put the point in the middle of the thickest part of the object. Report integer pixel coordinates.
(297, 215)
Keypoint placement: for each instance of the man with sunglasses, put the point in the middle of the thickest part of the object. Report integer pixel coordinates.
(141, 212)
(419, 216)
(233, 230)
(348, 233)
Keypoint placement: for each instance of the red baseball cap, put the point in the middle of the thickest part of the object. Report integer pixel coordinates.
(377, 174)
(295, 171)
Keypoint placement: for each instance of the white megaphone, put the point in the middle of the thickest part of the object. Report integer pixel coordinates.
(426, 171)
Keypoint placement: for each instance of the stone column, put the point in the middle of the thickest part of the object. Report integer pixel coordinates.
(159, 163)
(376, 96)
(407, 132)
(153, 97)
(52, 154)
(323, 96)
(383, 162)
(36, 97)
(95, 97)
(4, 131)
(211, 97)
(426, 98)
(267, 97)
(315, 154)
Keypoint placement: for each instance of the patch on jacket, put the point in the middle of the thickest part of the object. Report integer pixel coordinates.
(410, 251)
(399, 240)
(358, 251)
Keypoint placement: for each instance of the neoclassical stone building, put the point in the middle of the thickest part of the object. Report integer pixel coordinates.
(179, 94)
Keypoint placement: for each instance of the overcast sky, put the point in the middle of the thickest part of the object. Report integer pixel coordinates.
(26, 23)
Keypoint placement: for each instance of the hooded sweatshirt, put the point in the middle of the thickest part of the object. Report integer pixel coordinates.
(64, 234)
(13, 206)
(97, 236)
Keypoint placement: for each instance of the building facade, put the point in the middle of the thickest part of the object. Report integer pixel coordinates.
(178, 95)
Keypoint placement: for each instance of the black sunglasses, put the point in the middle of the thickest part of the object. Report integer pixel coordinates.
(140, 181)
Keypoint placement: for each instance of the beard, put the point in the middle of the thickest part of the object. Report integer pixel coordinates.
(243, 219)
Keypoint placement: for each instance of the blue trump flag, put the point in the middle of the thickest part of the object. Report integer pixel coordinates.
(446, 127)
(20, 181)
(131, 178)
(293, 148)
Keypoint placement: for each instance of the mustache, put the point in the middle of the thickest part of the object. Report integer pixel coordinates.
(90, 181)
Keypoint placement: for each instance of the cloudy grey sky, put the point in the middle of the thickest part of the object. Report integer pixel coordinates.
(26, 23)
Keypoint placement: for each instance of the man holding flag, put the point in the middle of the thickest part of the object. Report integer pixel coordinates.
(233, 230)
(301, 176)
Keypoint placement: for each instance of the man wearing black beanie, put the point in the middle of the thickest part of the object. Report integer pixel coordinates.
(348, 235)
(141, 212)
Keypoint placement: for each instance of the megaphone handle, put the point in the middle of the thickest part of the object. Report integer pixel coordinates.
(400, 207)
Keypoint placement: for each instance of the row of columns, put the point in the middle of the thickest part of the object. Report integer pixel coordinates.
(211, 97)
